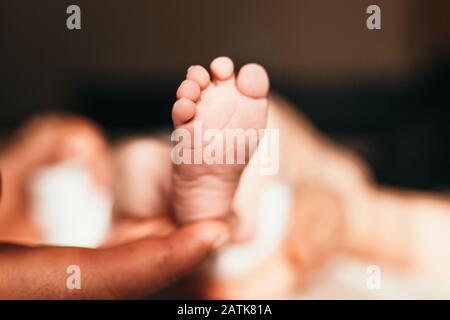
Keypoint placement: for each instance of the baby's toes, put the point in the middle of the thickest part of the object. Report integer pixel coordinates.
(253, 81)
(222, 69)
(183, 110)
(199, 75)
(189, 89)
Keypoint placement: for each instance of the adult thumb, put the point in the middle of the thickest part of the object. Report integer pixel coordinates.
(141, 268)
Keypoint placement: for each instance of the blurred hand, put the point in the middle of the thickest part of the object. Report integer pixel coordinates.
(134, 270)
(43, 141)
(139, 258)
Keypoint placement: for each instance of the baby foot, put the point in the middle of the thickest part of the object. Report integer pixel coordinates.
(219, 109)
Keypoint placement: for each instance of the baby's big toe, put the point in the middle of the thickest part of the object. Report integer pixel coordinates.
(253, 81)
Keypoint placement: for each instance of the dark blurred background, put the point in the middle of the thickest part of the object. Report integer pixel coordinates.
(384, 93)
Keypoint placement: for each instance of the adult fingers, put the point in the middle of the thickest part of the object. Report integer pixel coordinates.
(134, 270)
(141, 268)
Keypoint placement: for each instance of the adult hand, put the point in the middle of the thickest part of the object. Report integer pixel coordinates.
(137, 260)
(129, 271)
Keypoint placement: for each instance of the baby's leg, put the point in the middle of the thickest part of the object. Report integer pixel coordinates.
(142, 177)
(402, 227)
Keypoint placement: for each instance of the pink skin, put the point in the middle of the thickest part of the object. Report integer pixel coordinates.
(204, 190)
